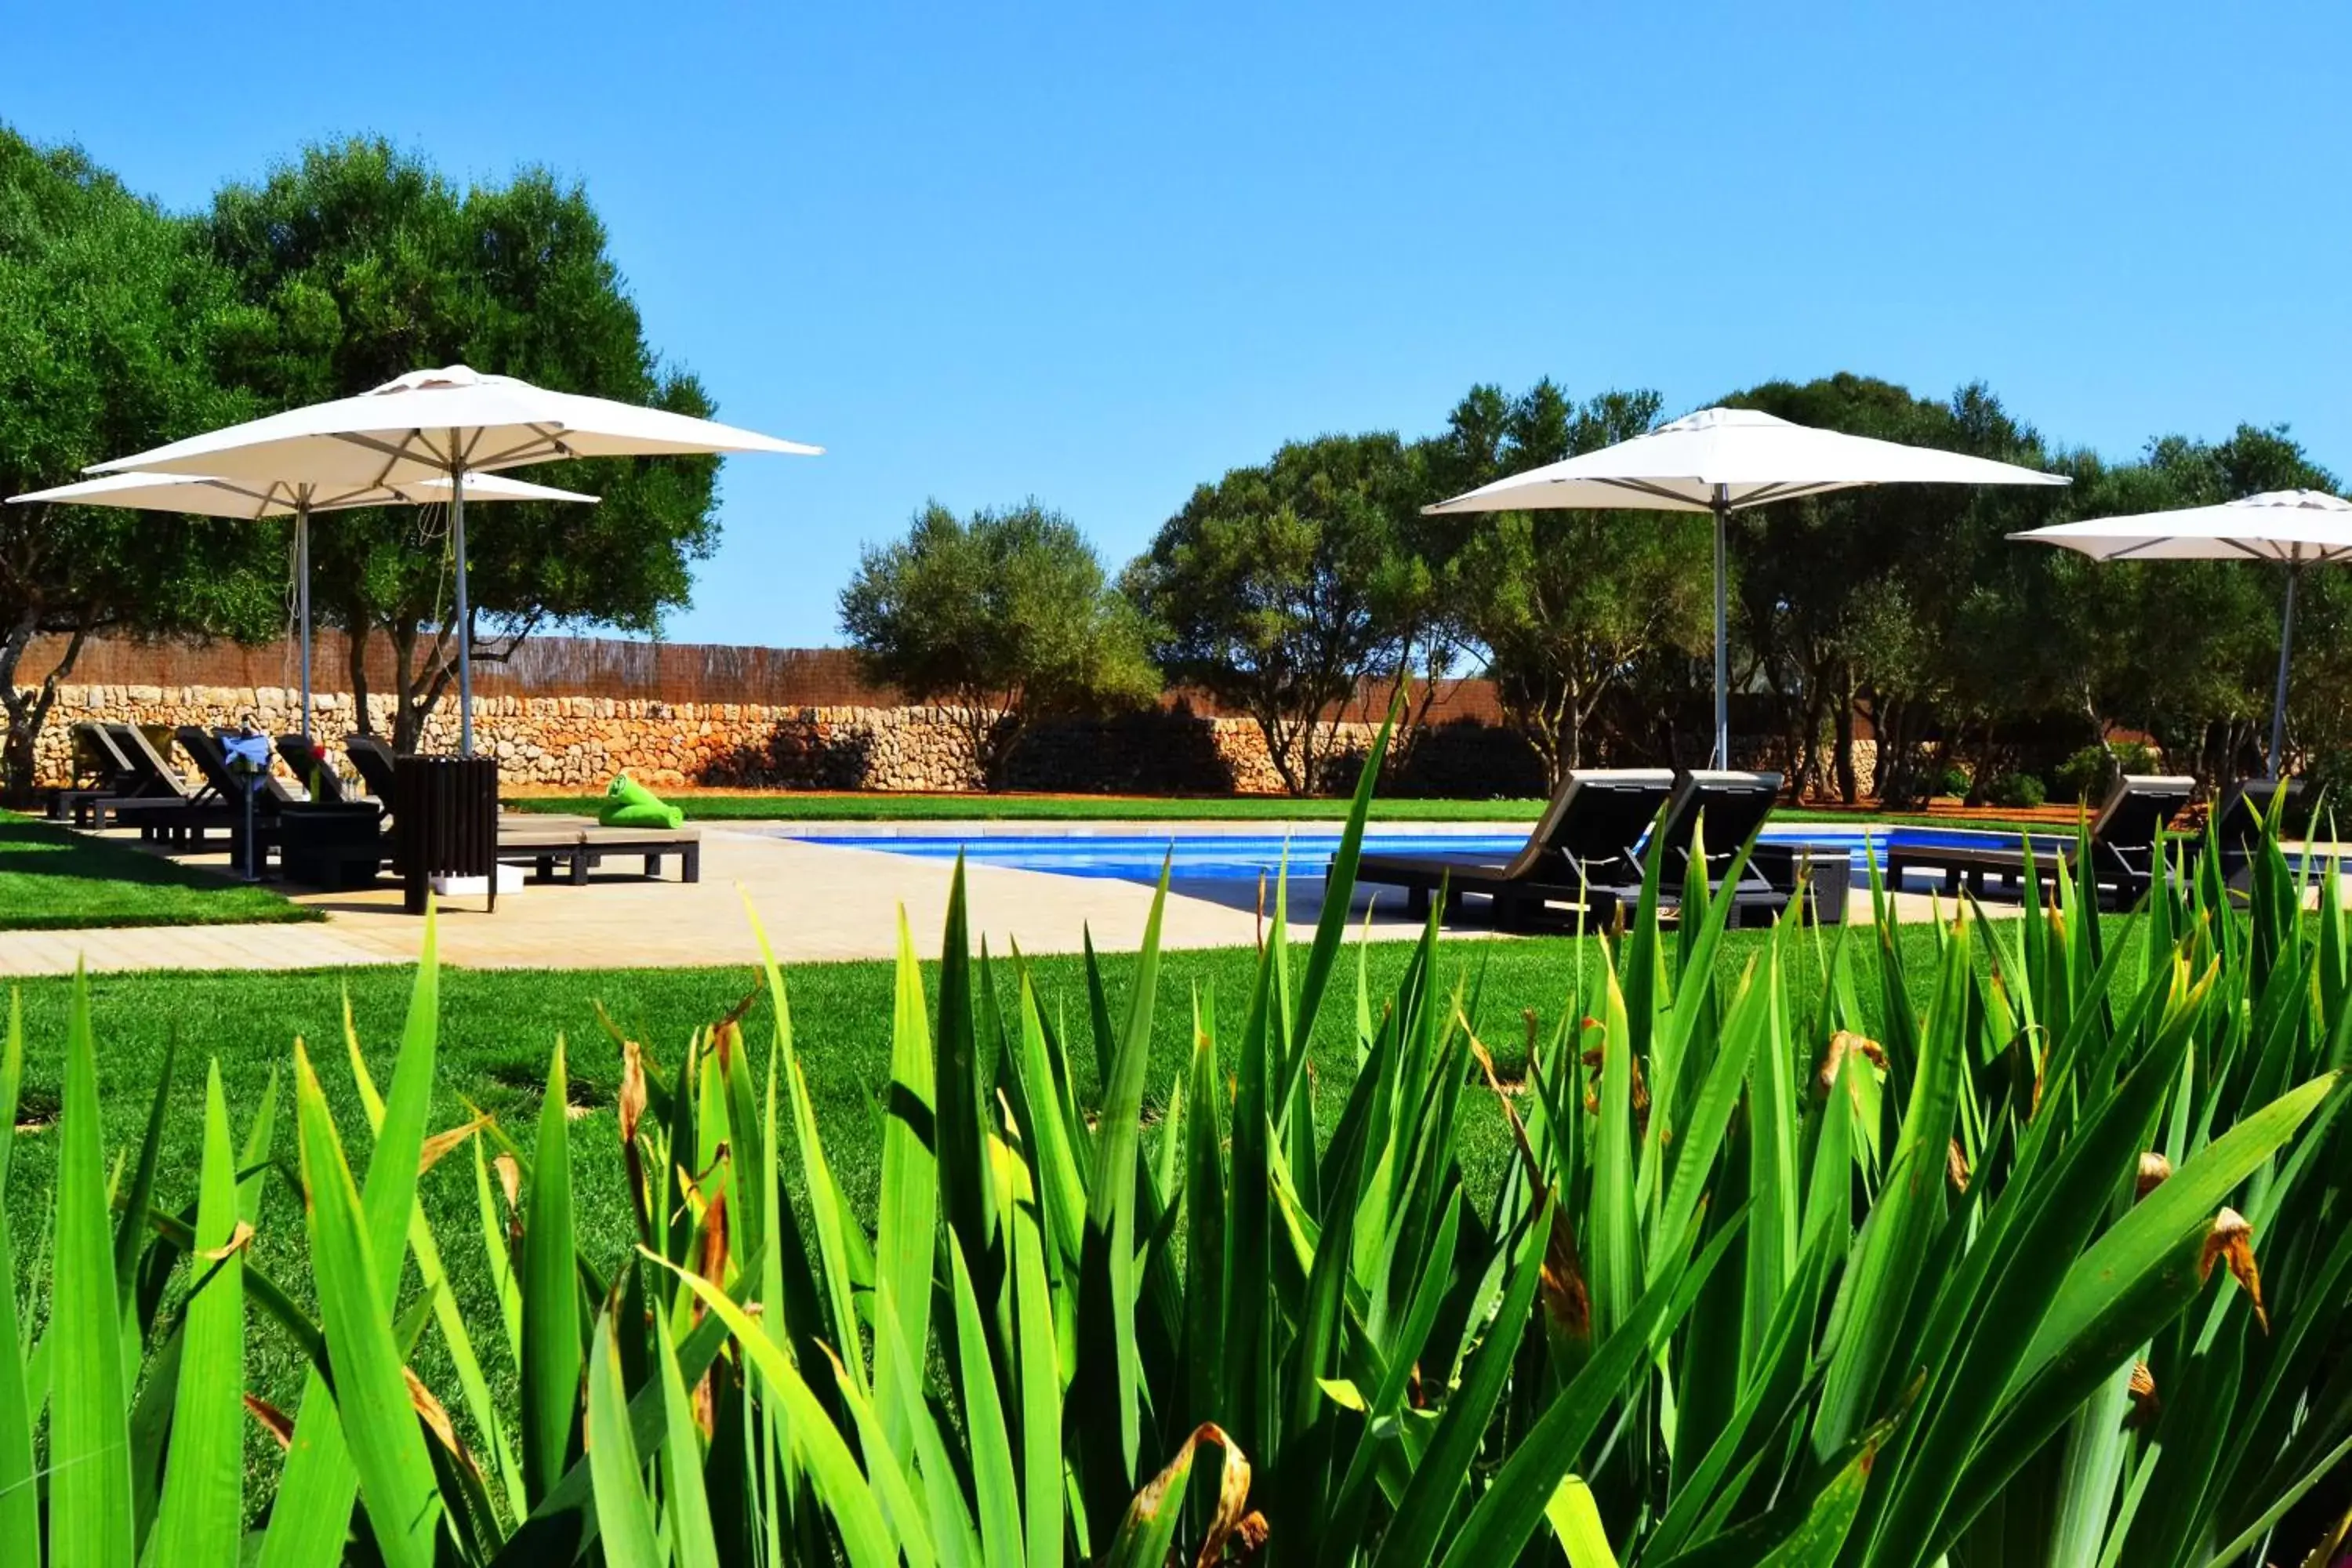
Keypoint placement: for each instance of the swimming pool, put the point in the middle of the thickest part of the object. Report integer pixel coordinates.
(1202, 856)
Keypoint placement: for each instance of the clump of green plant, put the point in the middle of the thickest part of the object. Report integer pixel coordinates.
(1819, 1273)
(2088, 774)
(2017, 790)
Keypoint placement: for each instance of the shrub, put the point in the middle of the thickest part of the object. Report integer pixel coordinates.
(1905, 1281)
(1002, 621)
(2015, 790)
(2089, 774)
(1953, 780)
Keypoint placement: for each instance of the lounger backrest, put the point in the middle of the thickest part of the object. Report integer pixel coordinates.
(1594, 823)
(2123, 836)
(312, 769)
(373, 760)
(155, 776)
(116, 769)
(1726, 808)
(2238, 819)
(211, 760)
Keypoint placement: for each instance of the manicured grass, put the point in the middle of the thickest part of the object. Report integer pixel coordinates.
(836, 805)
(53, 879)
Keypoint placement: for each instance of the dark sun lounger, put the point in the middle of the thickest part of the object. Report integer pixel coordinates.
(157, 800)
(1714, 813)
(373, 758)
(2122, 846)
(107, 775)
(1588, 852)
(313, 770)
(1587, 837)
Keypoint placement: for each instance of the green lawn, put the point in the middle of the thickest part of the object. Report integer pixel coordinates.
(839, 805)
(55, 880)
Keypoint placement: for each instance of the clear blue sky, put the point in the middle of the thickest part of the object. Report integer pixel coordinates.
(1098, 253)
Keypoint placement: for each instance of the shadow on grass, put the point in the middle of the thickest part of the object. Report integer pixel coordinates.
(52, 879)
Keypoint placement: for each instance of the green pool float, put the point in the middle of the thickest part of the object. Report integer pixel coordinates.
(628, 803)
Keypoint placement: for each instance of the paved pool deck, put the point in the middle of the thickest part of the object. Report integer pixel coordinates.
(818, 903)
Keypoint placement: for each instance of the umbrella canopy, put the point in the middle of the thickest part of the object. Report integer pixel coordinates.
(452, 423)
(206, 496)
(2293, 528)
(439, 422)
(1723, 460)
(2289, 526)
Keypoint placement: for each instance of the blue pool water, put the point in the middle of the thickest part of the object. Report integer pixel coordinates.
(1197, 856)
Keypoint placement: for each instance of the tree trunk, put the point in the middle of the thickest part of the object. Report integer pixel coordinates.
(1849, 785)
(1274, 730)
(1811, 774)
(355, 648)
(28, 711)
(405, 721)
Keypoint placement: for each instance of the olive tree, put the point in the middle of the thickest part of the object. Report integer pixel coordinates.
(1566, 604)
(1278, 588)
(359, 263)
(111, 314)
(1003, 620)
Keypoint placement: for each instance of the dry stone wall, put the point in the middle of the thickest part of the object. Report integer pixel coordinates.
(577, 744)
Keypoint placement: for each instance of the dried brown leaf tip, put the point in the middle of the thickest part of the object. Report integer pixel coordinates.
(1250, 1534)
(1593, 1057)
(239, 1240)
(510, 1180)
(435, 1416)
(433, 1148)
(1834, 1059)
(2231, 1239)
(2145, 1406)
(631, 1103)
(1956, 1166)
(274, 1421)
(2153, 1170)
(1565, 1296)
(1233, 1497)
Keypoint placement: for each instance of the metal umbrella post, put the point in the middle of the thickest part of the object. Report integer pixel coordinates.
(2287, 644)
(303, 596)
(464, 606)
(1722, 623)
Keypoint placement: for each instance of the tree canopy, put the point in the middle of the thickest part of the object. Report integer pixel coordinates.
(1279, 586)
(112, 322)
(1566, 605)
(358, 262)
(1003, 619)
(1904, 614)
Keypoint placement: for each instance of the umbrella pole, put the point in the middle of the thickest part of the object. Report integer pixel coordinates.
(302, 600)
(2278, 703)
(1722, 641)
(465, 612)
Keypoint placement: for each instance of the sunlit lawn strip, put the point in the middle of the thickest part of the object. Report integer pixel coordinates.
(55, 880)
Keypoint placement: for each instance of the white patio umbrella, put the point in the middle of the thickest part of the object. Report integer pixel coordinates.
(205, 496)
(1724, 460)
(2293, 528)
(455, 424)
